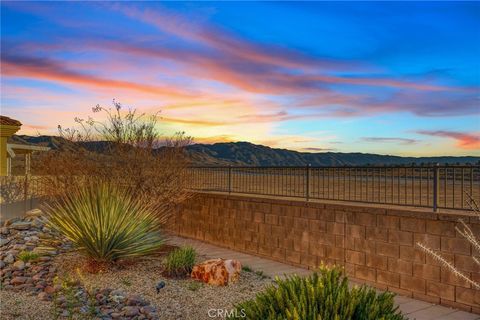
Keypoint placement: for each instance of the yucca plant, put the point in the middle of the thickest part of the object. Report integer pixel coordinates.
(180, 262)
(322, 296)
(105, 222)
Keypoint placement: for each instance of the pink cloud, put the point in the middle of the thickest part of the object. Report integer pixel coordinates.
(38, 68)
(469, 141)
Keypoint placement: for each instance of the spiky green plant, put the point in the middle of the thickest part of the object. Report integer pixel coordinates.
(322, 296)
(105, 222)
(27, 256)
(180, 261)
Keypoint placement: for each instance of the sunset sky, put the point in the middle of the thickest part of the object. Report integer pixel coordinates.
(386, 78)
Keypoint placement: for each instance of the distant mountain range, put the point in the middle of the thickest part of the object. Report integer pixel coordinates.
(245, 153)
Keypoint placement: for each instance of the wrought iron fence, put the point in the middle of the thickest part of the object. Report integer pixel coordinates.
(446, 187)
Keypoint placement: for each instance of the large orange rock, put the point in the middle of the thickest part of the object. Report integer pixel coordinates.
(218, 272)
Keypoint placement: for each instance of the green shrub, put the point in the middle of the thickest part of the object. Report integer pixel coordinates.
(324, 295)
(247, 269)
(27, 256)
(180, 261)
(105, 222)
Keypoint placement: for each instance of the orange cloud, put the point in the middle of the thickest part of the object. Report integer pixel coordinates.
(214, 139)
(468, 141)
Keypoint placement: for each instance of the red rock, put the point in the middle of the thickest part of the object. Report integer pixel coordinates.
(217, 272)
(44, 296)
(38, 276)
(18, 280)
(49, 290)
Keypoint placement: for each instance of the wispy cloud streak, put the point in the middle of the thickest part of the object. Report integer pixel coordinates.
(390, 140)
(464, 140)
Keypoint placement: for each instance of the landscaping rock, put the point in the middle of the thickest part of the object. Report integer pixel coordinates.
(49, 290)
(33, 213)
(18, 280)
(4, 242)
(9, 259)
(135, 300)
(44, 296)
(217, 272)
(37, 276)
(21, 225)
(19, 265)
(130, 311)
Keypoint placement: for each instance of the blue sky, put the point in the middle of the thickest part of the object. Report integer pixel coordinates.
(383, 77)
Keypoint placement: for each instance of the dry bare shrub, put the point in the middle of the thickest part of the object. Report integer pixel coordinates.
(12, 188)
(126, 149)
(473, 239)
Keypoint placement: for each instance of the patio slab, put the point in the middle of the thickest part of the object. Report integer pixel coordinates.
(414, 309)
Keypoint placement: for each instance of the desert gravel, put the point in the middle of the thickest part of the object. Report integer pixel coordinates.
(22, 306)
(180, 298)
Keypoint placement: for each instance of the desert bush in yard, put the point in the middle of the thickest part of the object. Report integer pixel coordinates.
(180, 262)
(124, 148)
(324, 295)
(474, 240)
(12, 189)
(105, 223)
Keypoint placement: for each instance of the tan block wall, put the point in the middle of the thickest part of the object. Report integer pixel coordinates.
(375, 245)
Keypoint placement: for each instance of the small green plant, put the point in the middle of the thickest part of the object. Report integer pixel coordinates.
(247, 269)
(27, 256)
(261, 274)
(105, 222)
(71, 296)
(194, 285)
(126, 282)
(67, 297)
(180, 262)
(323, 295)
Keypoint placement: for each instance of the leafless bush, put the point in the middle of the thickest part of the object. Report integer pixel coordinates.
(474, 239)
(125, 149)
(12, 189)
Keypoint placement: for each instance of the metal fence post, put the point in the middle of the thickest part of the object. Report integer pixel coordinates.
(229, 179)
(436, 187)
(307, 182)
